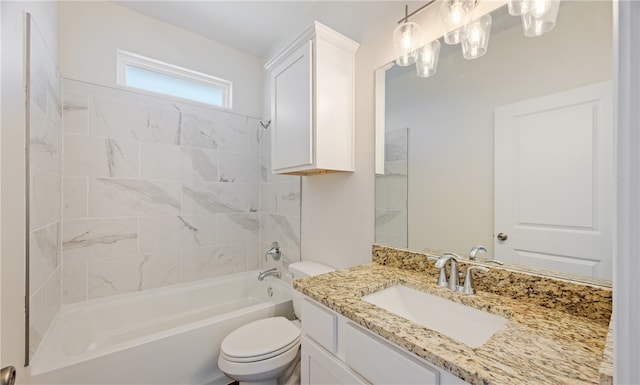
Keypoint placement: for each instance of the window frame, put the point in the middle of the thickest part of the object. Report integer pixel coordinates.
(125, 59)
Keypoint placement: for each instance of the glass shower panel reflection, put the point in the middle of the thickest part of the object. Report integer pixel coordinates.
(391, 190)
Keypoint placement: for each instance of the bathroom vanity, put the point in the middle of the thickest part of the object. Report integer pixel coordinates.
(555, 331)
(336, 350)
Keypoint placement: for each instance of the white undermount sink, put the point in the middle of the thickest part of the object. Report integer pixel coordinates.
(462, 323)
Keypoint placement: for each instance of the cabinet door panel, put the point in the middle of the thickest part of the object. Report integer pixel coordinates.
(383, 363)
(319, 367)
(333, 95)
(291, 139)
(320, 324)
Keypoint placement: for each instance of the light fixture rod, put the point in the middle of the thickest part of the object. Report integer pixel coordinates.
(408, 15)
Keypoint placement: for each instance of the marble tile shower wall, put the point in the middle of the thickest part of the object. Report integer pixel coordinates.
(156, 192)
(391, 191)
(45, 186)
(280, 206)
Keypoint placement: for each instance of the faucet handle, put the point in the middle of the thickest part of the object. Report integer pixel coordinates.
(440, 264)
(442, 279)
(468, 281)
(274, 252)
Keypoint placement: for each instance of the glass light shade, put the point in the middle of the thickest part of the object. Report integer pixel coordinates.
(476, 37)
(540, 17)
(517, 7)
(454, 15)
(406, 39)
(427, 59)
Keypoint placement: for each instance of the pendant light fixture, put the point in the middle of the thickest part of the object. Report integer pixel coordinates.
(406, 39)
(517, 7)
(455, 15)
(427, 59)
(538, 17)
(475, 38)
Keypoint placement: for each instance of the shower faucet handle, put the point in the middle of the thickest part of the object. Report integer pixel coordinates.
(274, 252)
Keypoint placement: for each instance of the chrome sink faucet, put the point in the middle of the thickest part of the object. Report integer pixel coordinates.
(481, 249)
(269, 273)
(453, 281)
(475, 250)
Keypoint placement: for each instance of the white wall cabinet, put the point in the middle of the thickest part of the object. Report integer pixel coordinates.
(312, 103)
(338, 351)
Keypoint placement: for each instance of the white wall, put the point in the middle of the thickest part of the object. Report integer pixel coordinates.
(91, 33)
(13, 166)
(338, 209)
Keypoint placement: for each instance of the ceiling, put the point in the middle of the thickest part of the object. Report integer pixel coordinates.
(255, 27)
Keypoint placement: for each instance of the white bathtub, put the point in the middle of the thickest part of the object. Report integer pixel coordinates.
(161, 336)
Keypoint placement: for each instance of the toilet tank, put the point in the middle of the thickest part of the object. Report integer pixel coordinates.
(305, 269)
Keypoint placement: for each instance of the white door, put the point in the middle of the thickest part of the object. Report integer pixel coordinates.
(554, 185)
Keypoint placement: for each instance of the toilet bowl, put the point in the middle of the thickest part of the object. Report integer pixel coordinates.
(259, 352)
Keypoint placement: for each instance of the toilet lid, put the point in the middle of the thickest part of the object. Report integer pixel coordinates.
(260, 340)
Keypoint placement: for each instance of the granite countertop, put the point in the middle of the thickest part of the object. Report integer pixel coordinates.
(544, 342)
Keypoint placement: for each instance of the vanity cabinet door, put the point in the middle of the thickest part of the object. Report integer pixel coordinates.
(318, 367)
(381, 363)
(320, 324)
(337, 351)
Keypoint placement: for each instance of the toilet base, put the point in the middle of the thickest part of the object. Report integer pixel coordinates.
(272, 371)
(290, 376)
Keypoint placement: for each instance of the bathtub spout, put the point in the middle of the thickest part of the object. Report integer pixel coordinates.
(269, 273)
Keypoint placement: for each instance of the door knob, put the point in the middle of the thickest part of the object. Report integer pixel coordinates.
(502, 237)
(8, 375)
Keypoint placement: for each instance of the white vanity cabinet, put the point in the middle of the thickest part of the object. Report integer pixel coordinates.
(337, 351)
(312, 103)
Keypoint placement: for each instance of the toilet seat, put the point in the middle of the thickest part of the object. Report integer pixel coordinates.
(260, 340)
(259, 371)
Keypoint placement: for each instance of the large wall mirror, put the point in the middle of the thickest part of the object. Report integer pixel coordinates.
(518, 142)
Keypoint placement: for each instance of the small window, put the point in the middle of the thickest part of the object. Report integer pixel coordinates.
(162, 78)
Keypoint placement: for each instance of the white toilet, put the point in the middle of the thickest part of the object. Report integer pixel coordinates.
(261, 351)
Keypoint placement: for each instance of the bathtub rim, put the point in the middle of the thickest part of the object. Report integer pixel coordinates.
(37, 368)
